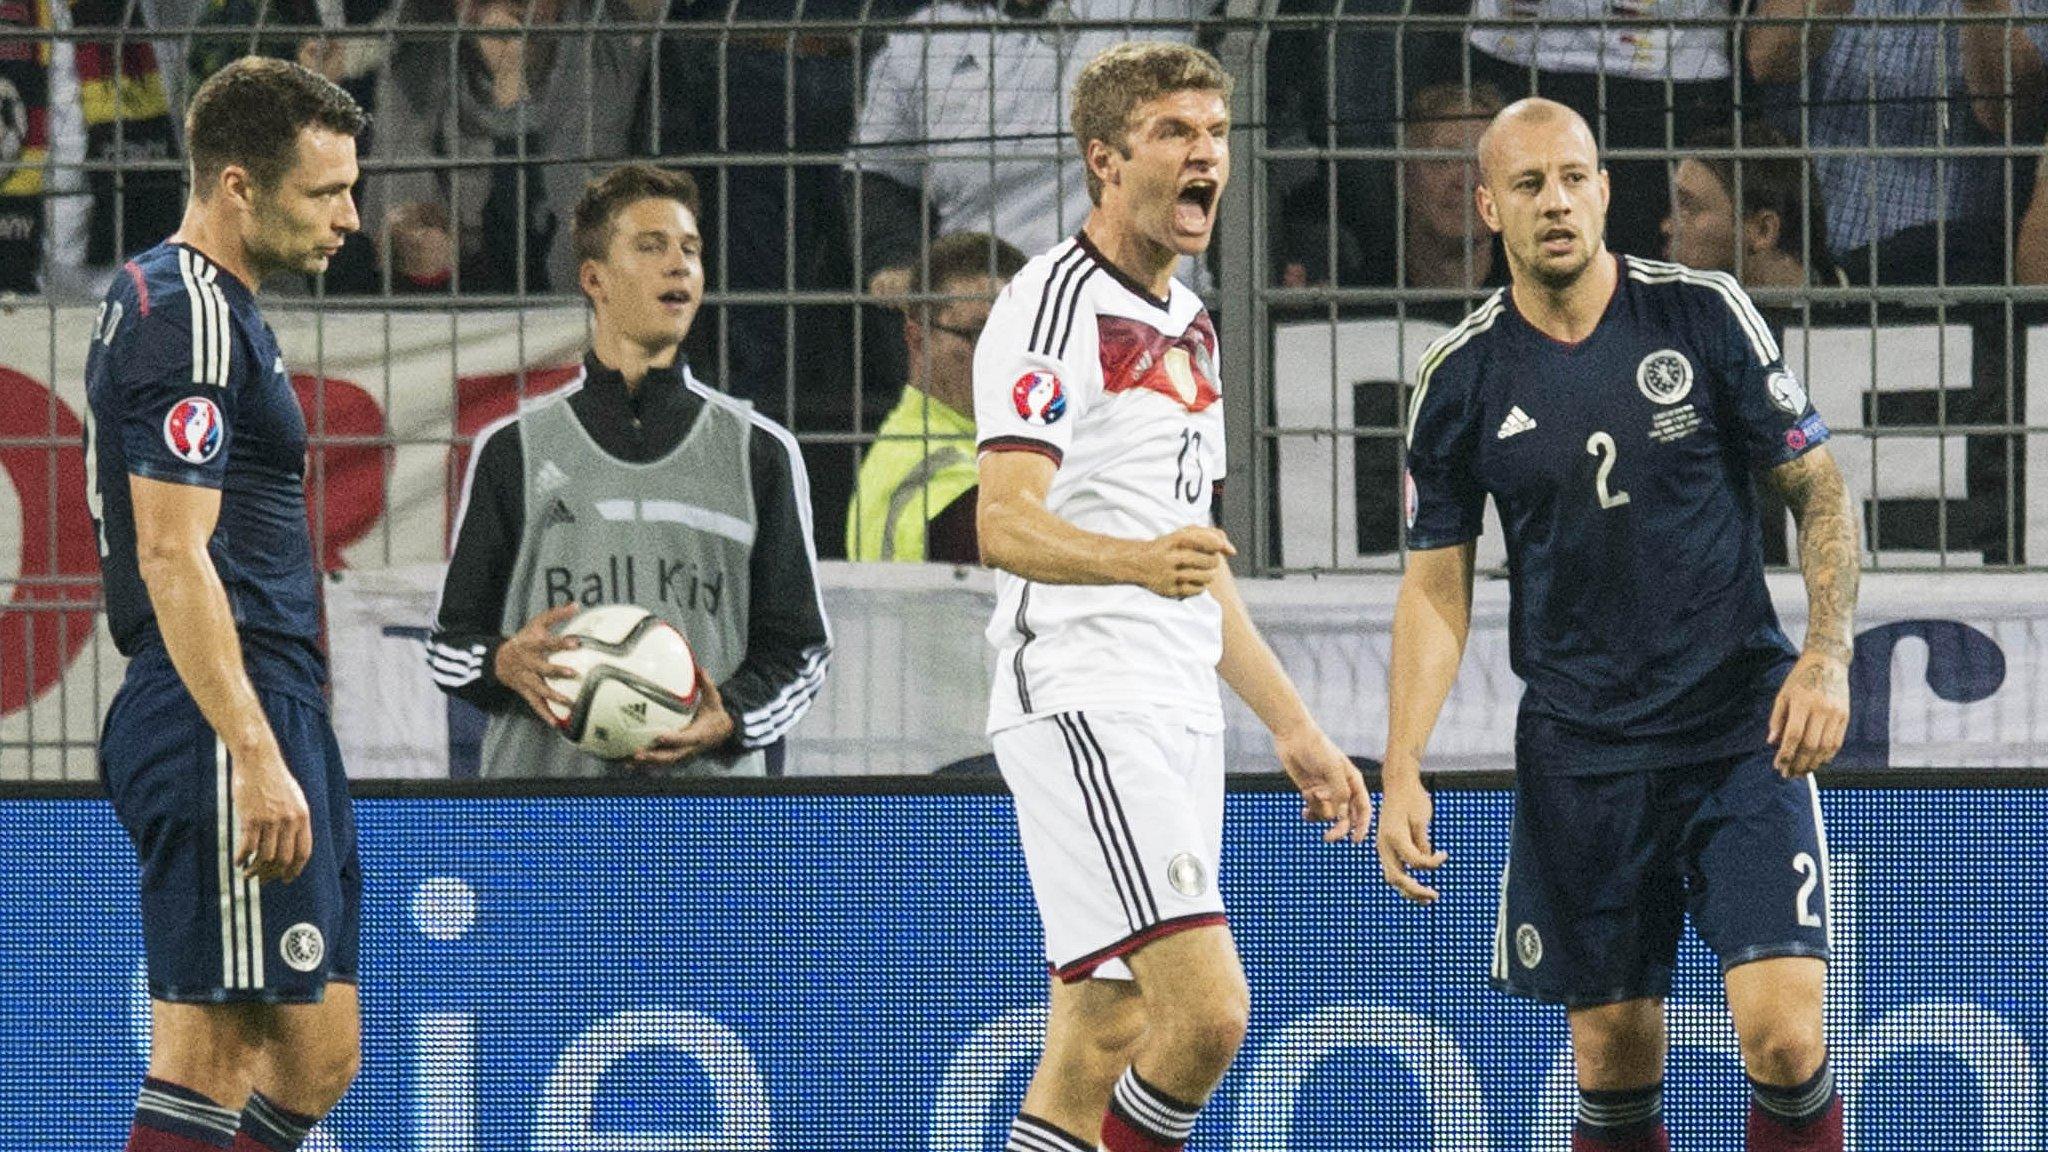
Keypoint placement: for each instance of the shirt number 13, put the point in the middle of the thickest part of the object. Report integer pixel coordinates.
(1602, 445)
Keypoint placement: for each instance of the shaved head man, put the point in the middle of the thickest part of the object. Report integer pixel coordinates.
(1613, 409)
(1542, 188)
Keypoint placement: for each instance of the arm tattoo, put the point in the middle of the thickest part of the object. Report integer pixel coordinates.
(1829, 557)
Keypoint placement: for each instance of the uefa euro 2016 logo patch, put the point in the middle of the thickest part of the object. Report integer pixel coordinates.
(1664, 377)
(1039, 398)
(192, 429)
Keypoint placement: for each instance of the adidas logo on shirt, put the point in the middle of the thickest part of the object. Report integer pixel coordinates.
(1517, 423)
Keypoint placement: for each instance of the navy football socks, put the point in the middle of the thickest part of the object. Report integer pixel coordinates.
(269, 1128)
(170, 1118)
(1621, 1120)
(1803, 1118)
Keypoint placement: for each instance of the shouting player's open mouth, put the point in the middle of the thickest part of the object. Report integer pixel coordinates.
(674, 301)
(1194, 208)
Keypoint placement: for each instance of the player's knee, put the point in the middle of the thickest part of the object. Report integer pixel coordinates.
(1208, 1030)
(325, 1074)
(214, 1049)
(1103, 1038)
(1113, 1038)
(1784, 1049)
(342, 1066)
(1105, 1049)
(1618, 1047)
(217, 1065)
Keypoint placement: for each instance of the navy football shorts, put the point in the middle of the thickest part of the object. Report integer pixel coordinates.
(1602, 871)
(213, 935)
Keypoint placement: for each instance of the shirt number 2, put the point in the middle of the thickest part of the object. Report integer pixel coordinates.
(1602, 445)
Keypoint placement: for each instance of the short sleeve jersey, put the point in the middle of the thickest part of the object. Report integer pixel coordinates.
(186, 386)
(1121, 390)
(1622, 470)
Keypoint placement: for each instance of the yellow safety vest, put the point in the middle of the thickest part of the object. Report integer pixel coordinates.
(921, 461)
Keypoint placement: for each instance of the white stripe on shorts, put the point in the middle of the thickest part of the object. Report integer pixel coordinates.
(1500, 923)
(223, 838)
(241, 906)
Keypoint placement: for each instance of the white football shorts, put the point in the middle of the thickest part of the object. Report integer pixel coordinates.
(1121, 815)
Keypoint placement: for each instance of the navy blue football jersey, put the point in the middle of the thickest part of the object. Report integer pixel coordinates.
(1621, 468)
(186, 385)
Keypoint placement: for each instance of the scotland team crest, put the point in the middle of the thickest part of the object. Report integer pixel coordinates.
(1665, 377)
(192, 429)
(1039, 398)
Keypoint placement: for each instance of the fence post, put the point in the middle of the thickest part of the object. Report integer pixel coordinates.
(1240, 283)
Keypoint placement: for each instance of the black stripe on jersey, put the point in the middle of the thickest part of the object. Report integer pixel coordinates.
(1045, 296)
(1093, 798)
(1163, 303)
(1017, 664)
(1074, 308)
(1151, 912)
(1065, 299)
(1021, 444)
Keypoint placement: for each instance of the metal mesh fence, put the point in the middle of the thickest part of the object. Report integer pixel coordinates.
(1868, 171)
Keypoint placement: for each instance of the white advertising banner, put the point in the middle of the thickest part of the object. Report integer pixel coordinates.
(1951, 671)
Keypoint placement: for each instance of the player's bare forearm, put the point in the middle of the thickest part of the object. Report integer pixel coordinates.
(1020, 535)
(1830, 559)
(1024, 538)
(1779, 53)
(1252, 670)
(1432, 617)
(1331, 787)
(192, 613)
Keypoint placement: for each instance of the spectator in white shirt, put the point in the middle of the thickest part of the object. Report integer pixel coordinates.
(964, 126)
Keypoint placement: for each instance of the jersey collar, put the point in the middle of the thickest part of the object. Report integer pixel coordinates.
(224, 276)
(1117, 274)
(661, 392)
(1606, 314)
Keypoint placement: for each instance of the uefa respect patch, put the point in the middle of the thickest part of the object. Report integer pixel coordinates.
(1039, 398)
(1807, 431)
(193, 429)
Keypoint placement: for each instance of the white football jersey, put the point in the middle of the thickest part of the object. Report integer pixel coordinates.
(1122, 391)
